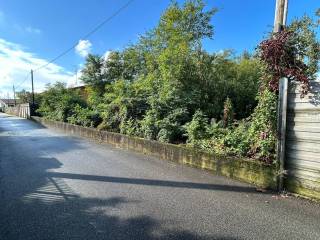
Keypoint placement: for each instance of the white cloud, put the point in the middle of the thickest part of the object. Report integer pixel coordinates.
(106, 55)
(15, 65)
(83, 48)
(32, 30)
(221, 52)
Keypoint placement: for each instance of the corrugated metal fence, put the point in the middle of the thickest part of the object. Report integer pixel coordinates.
(21, 110)
(303, 141)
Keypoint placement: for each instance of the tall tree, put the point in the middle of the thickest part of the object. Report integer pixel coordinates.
(92, 73)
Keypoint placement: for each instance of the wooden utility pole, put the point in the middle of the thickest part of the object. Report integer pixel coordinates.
(280, 20)
(281, 12)
(32, 108)
(76, 73)
(14, 95)
(32, 87)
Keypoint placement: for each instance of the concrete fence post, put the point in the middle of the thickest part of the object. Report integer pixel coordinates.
(281, 130)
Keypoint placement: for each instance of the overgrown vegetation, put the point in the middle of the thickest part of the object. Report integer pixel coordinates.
(167, 88)
(59, 103)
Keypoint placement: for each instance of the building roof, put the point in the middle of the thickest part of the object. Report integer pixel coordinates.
(9, 101)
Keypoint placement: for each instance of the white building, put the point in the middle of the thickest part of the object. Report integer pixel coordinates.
(7, 103)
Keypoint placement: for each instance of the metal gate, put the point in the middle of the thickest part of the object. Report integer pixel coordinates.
(302, 157)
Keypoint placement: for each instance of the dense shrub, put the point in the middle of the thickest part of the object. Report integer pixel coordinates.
(232, 140)
(129, 127)
(197, 128)
(84, 117)
(262, 131)
(58, 102)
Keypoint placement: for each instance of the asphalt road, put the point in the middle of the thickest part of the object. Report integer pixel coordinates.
(59, 187)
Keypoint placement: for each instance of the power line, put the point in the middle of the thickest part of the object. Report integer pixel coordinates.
(87, 35)
(83, 37)
(24, 80)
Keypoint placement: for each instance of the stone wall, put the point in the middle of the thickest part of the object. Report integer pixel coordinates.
(238, 168)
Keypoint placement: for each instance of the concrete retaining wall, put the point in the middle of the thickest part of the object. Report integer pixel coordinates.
(242, 169)
(21, 110)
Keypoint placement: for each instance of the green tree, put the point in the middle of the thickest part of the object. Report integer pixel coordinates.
(93, 76)
(24, 96)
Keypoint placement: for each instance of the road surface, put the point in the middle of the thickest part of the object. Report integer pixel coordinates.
(59, 187)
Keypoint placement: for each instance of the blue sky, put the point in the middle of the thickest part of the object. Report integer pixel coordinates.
(33, 32)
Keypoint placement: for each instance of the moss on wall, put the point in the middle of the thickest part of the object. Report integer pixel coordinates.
(302, 189)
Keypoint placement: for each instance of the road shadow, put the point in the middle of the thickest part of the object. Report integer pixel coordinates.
(42, 206)
(152, 182)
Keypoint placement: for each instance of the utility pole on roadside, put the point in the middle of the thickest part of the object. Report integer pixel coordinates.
(76, 75)
(280, 20)
(14, 95)
(32, 107)
(281, 12)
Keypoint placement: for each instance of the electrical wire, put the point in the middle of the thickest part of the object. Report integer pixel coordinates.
(95, 29)
(87, 35)
(24, 80)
